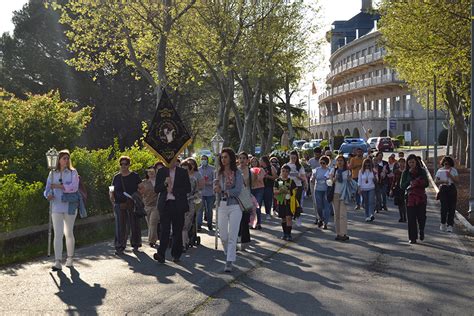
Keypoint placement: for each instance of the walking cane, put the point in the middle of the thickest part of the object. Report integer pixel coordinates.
(216, 231)
(50, 214)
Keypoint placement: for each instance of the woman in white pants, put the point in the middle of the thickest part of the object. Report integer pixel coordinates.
(62, 180)
(227, 185)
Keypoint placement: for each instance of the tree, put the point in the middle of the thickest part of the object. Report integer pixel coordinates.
(432, 38)
(30, 127)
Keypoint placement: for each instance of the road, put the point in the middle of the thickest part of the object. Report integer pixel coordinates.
(376, 272)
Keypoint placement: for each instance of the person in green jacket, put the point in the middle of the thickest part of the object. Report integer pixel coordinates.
(414, 181)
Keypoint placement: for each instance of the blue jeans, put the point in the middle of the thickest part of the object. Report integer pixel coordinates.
(368, 199)
(207, 205)
(358, 196)
(322, 204)
(268, 199)
(258, 194)
(380, 195)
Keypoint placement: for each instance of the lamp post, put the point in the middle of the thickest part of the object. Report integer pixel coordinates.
(435, 127)
(471, 125)
(217, 142)
(52, 160)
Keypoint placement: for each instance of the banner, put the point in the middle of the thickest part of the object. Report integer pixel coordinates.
(167, 137)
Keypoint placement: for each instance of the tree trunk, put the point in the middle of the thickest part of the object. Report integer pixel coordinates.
(291, 132)
(263, 149)
(226, 92)
(454, 106)
(271, 122)
(448, 141)
(251, 100)
(238, 119)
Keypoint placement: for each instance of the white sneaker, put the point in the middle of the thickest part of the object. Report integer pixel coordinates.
(449, 229)
(368, 219)
(57, 265)
(442, 227)
(69, 263)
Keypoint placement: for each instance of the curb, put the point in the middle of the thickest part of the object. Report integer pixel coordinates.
(459, 216)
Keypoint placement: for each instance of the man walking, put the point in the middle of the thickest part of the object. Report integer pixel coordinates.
(172, 185)
(208, 197)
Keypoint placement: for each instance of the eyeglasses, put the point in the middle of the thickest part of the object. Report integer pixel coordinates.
(124, 164)
(322, 163)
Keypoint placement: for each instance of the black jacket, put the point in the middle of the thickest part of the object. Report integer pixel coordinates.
(181, 187)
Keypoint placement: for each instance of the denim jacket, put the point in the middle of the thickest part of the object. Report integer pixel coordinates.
(75, 202)
(234, 191)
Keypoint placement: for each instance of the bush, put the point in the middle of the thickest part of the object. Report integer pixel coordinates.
(21, 204)
(401, 139)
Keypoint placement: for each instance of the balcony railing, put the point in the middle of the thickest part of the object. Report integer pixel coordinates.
(365, 115)
(388, 78)
(356, 62)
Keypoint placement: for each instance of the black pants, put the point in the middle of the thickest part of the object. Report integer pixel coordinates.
(416, 220)
(448, 196)
(125, 222)
(244, 230)
(170, 216)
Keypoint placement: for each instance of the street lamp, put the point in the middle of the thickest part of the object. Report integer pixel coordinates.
(52, 160)
(217, 142)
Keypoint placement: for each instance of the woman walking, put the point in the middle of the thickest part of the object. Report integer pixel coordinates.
(244, 230)
(150, 199)
(320, 175)
(258, 187)
(62, 180)
(298, 175)
(270, 174)
(447, 178)
(340, 178)
(397, 193)
(366, 181)
(414, 181)
(227, 186)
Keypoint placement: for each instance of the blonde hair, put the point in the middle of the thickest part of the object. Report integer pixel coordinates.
(61, 154)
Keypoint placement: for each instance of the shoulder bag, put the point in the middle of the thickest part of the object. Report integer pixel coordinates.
(128, 205)
(245, 197)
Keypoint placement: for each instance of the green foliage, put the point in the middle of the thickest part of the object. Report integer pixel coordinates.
(21, 204)
(28, 128)
(324, 143)
(338, 140)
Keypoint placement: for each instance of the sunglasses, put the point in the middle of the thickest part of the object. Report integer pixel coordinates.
(124, 163)
(322, 163)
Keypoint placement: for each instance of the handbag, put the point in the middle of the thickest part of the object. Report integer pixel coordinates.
(129, 204)
(245, 200)
(330, 191)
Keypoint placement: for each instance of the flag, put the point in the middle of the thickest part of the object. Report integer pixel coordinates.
(167, 136)
(313, 89)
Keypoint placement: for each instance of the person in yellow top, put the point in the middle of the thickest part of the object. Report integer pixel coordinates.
(355, 164)
(285, 193)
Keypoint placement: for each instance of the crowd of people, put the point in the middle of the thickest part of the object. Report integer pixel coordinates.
(178, 199)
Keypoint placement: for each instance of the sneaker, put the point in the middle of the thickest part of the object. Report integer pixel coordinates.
(289, 238)
(228, 266)
(368, 219)
(385, 208)
(412, 241)
(357, 208)
(320, 223)
(345, 238)
(442, 227)
(57, 266)
(339, 238)
(158, 258)
(69, 263)
(325, 226)
(449, 229)
(372, 218)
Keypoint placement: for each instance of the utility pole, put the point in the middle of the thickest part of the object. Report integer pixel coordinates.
(435, 118)
(471, 125)
(427, 125)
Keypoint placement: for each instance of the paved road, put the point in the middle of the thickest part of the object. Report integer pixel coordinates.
(377, 272)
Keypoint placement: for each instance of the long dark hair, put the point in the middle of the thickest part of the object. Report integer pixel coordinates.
(345, 162)
(233, 160)
(266, 160)
(297, 163)
(419, 168)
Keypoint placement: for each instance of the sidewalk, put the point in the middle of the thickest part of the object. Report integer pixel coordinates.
(377, 256)
(103, 283)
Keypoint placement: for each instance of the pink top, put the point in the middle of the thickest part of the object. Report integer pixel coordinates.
(258, 177)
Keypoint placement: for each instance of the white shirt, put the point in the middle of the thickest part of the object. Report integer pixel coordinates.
(294, 172)
(366, 180)
(442, 174)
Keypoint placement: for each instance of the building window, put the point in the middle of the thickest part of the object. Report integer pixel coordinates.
(369, 50)
(357, 55)
(352, 57)
(364, 52)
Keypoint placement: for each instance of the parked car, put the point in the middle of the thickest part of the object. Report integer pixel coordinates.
(385, 144)
(372, 141)
(351, 140)
(297, 144)
(348, 148)
(317, 141)
(309, 145)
